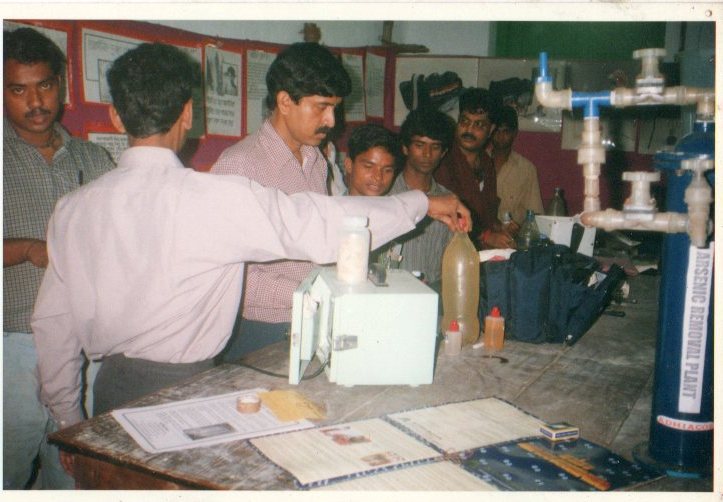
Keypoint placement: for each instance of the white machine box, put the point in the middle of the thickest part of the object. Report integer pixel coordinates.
(366, 334)
(562, 229)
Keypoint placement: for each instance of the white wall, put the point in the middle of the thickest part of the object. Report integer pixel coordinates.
(457, 38)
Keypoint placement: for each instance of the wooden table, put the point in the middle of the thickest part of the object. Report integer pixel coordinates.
(590, 384)
(106, 457)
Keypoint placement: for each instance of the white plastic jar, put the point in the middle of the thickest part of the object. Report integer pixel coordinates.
(352, 265)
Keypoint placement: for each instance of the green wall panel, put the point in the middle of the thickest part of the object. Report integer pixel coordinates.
(576, 40)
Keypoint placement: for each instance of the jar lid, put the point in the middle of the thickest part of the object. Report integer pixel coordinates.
(355, 221)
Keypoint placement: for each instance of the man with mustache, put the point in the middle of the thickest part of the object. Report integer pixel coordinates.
(468, 171)
(305, 84)
(41, 163)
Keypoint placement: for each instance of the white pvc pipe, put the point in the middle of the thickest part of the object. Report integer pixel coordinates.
(704, 99)
(611, 219)
(553, 99)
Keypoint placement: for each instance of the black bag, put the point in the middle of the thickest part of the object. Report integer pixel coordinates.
(543, 293)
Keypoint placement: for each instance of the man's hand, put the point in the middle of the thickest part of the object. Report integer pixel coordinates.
(450, 211)
(37, 253)
(67, 460)
(17, 251)
(496, 240)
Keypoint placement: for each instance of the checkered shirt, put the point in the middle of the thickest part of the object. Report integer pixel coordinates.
(265, 158)
(31, 188)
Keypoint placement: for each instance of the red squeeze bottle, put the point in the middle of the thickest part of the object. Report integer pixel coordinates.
(494, 331)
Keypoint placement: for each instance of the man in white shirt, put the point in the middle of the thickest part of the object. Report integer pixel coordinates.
(146, 262)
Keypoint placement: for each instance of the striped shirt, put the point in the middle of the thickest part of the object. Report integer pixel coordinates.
(422, 248)
(266, 159)
(31, 188)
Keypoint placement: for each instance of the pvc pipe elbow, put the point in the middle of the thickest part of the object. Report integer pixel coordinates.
(553, 99)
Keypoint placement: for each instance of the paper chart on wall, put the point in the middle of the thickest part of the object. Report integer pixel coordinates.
(336, 451)
(354, 103)
(99, 51)
(114, 143)
(223, 92)
(198, 127)
(374, 74)
(486, 421)
(257, 64)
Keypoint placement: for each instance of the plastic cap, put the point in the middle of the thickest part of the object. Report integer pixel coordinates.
(355, 221)
(495, 312)
(453, 325)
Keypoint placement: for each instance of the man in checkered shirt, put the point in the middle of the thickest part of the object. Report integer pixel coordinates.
(305, 84)
(41, 163)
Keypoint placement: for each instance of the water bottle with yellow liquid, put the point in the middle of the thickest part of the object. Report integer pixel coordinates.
(460, 286)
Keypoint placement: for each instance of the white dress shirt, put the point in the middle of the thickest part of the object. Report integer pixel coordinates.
(148, 260)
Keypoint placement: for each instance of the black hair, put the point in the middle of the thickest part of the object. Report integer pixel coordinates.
(368, 136)
(150, 85)
(508, 117)
(29, 46)
(477, 101)
(306, 69)
(428, 122)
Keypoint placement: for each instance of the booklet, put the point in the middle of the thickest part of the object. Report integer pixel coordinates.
(484, 444)
(328, 454)
(460, 426)
(434, 476)
(198, 422)
(335, 451)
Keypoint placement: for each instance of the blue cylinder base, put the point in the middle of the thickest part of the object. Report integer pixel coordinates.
(641, 455)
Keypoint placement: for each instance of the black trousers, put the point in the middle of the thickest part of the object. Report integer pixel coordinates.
(122, 379)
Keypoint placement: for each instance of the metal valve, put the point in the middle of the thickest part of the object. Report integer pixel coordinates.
(640, 201)
(650, 80)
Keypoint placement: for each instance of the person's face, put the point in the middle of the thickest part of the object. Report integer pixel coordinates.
(370, 173)
(311, 119)
(423, 154)
(503, 137)
(31, 95)
(472, 131)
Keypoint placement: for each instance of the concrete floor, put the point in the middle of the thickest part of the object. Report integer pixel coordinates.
(604, 383)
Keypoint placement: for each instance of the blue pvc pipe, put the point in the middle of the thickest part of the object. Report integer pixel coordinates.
(544, 76)
(590, 102)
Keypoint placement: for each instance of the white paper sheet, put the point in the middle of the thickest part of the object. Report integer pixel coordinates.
(471, 424)
(199, 422)
(354, 103)
(223, 92)
(341, 450)
(435, 476)
(258, 63)
(99, 51)
(114, 143)
(374, 73)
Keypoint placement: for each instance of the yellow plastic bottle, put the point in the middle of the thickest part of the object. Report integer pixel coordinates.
(494, 331)
(460, 286)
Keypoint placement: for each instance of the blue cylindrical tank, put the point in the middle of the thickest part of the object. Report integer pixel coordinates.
(681, 433)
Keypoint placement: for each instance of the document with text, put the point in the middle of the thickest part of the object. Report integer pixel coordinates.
(199, 422)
